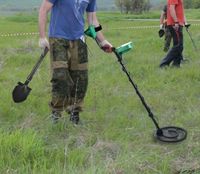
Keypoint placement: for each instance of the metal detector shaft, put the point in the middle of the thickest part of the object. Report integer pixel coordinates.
(193, 43)
(30, 76)
(119, 56)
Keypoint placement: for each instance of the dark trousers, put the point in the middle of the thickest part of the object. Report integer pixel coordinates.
(175, 53)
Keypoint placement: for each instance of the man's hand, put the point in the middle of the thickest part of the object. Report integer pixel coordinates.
(176, 26)
(106, 46)
(43, 43)
(161, 26)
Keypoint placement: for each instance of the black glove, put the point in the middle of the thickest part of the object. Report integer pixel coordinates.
(187, 26)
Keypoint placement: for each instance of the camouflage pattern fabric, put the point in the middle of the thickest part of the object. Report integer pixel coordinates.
(69, 61)
(168, 38)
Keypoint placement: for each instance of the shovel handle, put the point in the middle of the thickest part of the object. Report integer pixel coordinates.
(30, 76)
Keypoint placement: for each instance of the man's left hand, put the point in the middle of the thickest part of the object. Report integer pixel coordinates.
(106, 46)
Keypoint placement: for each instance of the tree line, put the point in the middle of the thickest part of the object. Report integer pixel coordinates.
(139, 6)
(133, 6)
(192, 3)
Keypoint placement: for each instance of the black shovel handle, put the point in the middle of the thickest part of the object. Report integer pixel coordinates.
(42, 56)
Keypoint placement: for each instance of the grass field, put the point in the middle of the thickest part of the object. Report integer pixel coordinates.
(115, 135)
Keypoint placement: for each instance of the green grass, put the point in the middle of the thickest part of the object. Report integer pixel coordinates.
(115, 136)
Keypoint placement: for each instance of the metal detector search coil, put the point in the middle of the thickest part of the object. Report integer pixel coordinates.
(171, 134)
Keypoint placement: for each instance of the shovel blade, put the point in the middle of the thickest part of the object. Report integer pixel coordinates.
(161, 33)
(20, 92)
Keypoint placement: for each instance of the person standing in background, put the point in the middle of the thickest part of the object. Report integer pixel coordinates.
(163, 26)
(175, 22)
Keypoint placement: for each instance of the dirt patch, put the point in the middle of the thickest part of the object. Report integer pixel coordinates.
(107, 149)
(184, 166)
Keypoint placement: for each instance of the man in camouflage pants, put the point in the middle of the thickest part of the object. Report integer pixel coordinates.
(163, 25)
(68, 52)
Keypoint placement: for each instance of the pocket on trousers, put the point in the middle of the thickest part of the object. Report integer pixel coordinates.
(82, 52)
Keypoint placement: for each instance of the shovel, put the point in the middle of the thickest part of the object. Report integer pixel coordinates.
(21, 91)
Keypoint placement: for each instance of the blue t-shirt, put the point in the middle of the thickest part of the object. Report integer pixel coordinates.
(67, 18)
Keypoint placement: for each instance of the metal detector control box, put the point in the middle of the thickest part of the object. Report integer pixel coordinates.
(124, 48)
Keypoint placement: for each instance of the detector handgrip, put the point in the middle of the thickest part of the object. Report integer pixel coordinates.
(91, 32)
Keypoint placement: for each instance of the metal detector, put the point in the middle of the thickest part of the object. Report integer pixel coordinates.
(21, 91)
(169, 134)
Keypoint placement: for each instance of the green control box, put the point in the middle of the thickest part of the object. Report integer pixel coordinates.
(124, 48)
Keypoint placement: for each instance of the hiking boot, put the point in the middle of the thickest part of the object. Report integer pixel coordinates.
(74, 117)
(163, 66)
(55, 116)
(176, 65)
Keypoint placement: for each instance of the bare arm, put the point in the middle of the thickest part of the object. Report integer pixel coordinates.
(44, 9)
(92, 20)
(102, 42)
(185, 20)
(173, 13)
(162, 17)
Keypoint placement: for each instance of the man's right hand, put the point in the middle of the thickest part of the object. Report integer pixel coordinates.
(176, 26)
(43, 43)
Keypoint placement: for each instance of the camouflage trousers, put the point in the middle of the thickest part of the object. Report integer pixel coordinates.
(69, 61)
(168, 38)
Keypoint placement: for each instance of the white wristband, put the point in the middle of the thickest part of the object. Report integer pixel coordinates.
(104, 42)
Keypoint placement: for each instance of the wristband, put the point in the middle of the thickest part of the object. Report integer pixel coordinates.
(99, 28)
(104, 42)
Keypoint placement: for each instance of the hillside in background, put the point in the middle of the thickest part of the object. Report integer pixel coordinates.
(26, 5)
(16, 4)
(106, 5)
